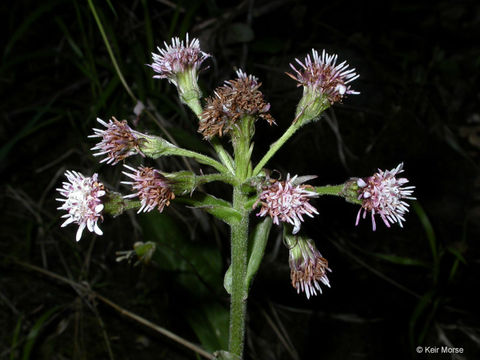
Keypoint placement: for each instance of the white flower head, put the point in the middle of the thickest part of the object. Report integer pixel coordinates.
(287, 202)
(82, 202)
(384, 194)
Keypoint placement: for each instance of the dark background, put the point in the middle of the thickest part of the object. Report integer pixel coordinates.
(392, 290)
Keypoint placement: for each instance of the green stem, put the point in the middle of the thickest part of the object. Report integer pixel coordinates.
(195, 106)
(241, 137)
(203, 159)
(335, 190)
(276, 146)
(239, 294)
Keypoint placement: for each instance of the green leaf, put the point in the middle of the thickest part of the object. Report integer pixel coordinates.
(23, 27)
(199, 264)
(217, 207)
(28, 129)
(16, 334)
(402, 260)
(457, 254)
(421, 307)
(258, 242)
(227, 280)
(259, 238)
(427, 226)
(210, 323)
(35, 331)
(225, 355)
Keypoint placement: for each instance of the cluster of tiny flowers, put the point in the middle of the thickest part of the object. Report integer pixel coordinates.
(286, 202)
(307, 268)
(118, 142)
(383, 194)
(152, 188)
(323, 75)
(82, 202)
(177, 58)
(230, 103)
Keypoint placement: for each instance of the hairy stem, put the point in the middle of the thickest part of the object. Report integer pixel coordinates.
(335, 190)
(239, 239)
(202, 159)
(239, 294)
(276, 146)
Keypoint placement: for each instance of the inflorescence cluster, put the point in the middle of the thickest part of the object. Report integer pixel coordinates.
(286, 201)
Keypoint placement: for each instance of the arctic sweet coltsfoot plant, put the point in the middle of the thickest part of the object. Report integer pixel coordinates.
(231, 111)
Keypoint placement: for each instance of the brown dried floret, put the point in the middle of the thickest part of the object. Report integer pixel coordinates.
(230, 103)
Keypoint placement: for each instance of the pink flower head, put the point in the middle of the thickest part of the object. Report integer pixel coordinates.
(383, 194)
(324, 76)
(307, 266)
(287, 202)
(82, 202)
(118, 142)
(152, 188)
(176, 58)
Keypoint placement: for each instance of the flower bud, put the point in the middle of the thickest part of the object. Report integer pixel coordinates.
(307, 266)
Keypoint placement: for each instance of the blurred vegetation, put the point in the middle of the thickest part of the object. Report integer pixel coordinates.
(391, 290)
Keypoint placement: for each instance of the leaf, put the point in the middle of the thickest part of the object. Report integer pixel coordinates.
(27, 23)
(427, 226)
(258, 242)
(29, 128)
(422, 305)
(217, 207)
(175, 251)
(225, 355)
(16, 334)
(259, 238)
(402, 260)
(35, 331)
(227, 280)
(210, 323)
(457, 254)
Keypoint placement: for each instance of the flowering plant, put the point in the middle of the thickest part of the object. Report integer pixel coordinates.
(231, 112)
